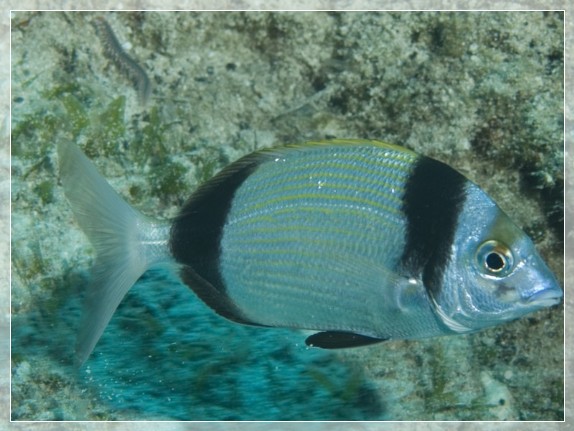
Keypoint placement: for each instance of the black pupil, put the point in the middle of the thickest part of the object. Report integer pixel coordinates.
(494, 262)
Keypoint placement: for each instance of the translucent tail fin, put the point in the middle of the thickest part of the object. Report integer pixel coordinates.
(126, 242)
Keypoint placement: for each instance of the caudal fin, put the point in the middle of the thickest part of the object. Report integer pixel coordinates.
(119, 235)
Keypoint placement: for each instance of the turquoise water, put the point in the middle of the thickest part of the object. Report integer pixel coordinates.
(166, 356)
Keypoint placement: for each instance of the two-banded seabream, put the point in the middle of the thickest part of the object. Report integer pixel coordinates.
(361, 241)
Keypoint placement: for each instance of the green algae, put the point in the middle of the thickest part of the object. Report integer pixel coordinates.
(169, 180)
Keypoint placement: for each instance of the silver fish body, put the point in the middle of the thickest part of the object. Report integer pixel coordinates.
(362, 241)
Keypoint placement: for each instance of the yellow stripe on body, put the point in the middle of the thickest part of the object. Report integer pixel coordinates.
(352, 177)
(327, 184)
(262, 224)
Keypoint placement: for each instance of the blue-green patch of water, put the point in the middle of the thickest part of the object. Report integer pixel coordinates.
(166, 356)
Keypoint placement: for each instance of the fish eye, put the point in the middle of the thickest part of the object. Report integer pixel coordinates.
(494, 258)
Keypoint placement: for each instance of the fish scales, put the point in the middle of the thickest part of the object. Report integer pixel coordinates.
(349, 173)
(336, 208)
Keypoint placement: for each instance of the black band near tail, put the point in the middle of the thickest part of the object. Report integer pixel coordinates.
(195, 237)
(433, 200)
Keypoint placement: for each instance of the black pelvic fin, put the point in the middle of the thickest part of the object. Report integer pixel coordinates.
(340, 340)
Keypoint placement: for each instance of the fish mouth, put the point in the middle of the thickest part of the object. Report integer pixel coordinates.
(546, 298)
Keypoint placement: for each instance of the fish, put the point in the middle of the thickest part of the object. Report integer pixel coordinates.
(358, 241)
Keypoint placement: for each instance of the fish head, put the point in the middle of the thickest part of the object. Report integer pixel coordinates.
(494, 273)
